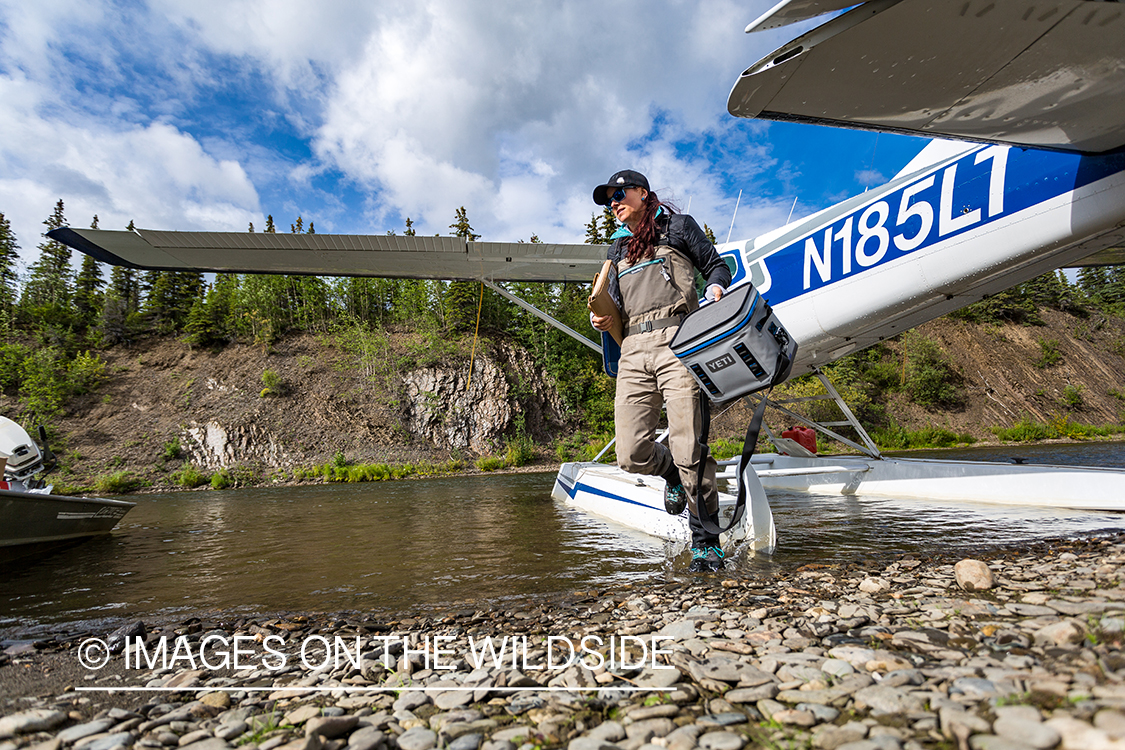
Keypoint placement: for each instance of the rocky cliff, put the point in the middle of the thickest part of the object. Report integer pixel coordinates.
(165, 404)
(215, 407)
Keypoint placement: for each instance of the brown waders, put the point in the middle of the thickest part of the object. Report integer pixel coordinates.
(650, 376)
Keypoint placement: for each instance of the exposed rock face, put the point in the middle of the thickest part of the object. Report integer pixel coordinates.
(213, 446)
(451, 412)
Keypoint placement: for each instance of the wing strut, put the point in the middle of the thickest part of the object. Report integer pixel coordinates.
(544, 316)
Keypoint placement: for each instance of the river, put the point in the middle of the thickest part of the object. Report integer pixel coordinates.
(460, 540)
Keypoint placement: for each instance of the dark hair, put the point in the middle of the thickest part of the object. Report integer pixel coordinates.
(642, 245)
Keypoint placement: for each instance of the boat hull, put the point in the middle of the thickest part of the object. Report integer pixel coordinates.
(637, 501)
(28, 518)
(1045, 485)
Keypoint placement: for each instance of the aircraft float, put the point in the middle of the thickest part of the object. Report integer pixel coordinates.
(1028, 100)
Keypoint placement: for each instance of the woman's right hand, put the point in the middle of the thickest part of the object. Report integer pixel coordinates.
(601, 322)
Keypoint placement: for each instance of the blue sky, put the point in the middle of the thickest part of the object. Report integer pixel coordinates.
(211, 114)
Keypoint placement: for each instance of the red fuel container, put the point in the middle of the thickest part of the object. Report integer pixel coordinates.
(806, 436)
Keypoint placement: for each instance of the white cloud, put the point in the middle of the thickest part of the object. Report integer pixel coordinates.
(153, 174)
(512, 109)
(869, 177)
(482, 96)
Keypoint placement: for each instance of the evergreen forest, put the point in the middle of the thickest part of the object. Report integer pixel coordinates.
(57, 321)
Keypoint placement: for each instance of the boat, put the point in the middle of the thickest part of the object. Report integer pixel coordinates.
(637, 501)
(31, 516)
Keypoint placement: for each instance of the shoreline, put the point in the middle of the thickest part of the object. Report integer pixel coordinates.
(552, 467)
(873, 655)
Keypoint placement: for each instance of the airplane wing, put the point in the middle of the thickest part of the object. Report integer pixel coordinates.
(1114, 256)
(389, 256)
(794, 11)
(1046, 74)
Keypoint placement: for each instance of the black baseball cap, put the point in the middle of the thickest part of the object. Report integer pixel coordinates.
(623, 179)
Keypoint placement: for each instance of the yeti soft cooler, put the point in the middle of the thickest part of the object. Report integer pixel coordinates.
(735, 346)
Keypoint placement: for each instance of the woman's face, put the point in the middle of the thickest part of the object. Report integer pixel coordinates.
(628, 209)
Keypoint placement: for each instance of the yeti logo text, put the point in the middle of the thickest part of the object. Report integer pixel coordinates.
(720, 363)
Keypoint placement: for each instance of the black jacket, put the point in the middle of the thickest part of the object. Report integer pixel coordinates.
(681, 232)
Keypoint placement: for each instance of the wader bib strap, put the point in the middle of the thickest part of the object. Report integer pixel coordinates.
(654, 325)
(710, 521)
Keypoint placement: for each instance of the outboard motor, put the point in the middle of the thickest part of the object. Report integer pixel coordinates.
(25, 459)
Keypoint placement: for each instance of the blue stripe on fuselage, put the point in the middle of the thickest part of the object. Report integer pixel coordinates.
(979, 188)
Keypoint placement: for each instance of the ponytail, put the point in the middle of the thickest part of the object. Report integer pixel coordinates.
(642, 244)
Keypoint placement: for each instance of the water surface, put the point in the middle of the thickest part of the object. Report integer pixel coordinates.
(458, 541)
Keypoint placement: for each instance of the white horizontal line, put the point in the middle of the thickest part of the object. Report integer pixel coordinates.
(360, 689)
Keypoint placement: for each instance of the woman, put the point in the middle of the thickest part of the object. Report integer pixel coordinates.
(657, 252)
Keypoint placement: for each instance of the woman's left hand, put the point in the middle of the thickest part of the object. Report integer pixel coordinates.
(714, 293)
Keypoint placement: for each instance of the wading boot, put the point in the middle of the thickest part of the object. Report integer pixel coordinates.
(706, 560)
(675, 496)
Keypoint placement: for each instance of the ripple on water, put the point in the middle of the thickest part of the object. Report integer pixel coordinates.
(392, 545)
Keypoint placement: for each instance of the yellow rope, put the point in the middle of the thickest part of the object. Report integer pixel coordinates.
(480, 304)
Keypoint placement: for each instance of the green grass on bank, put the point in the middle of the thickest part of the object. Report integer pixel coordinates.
(578, 447)
(1028, 430)
(377, 472)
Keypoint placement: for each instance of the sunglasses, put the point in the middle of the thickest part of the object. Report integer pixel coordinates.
(618, 195)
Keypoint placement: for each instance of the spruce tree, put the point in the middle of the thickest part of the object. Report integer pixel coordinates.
(9, 258)
(593, 231)
(159, 301)
(462, 297)
(460, 226)
(1093, 280)
(51, 281)
(87, 290)
(1114, 292)
(124, 285)
(609, 226)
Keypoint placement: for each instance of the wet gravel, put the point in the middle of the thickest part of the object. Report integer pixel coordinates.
(1012, 650)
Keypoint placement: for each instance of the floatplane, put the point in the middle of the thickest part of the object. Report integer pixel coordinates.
(1027, 99)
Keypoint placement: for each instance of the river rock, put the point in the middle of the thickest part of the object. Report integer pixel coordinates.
(301, 714)
(721, 741)
(217, 699)
(830, 737)
(973, 575)
(212, 743)
(1111, 722)
(366, 738)
(110, 741)
(330, 727)
(590, 743)
(607, 731)
(649, 728)
(992, 742)
(752, 695)
(418, 738)
(35, 720)
(229, 731)
(887, 700)
(73, 734)
(470, 741)
(1063, 633)
(1031, 733)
